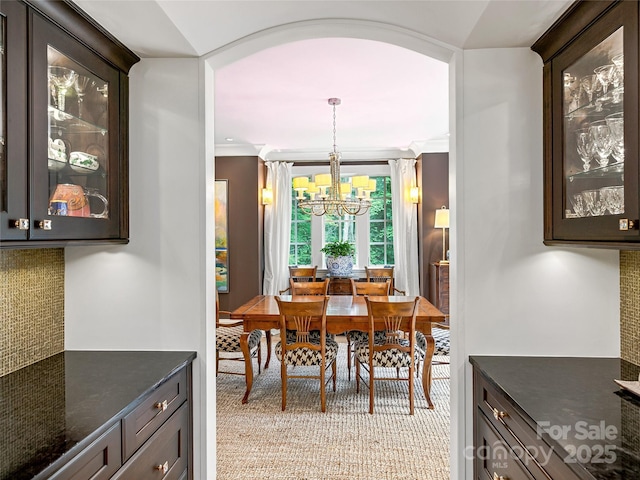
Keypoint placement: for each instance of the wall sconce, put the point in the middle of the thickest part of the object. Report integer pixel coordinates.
(414, 195)
(442, 221)
(267, 196)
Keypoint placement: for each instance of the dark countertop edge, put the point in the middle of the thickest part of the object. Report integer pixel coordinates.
(89, 439)
(577, 467)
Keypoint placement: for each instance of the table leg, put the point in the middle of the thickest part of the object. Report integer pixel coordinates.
(248, 367)
(426, 368)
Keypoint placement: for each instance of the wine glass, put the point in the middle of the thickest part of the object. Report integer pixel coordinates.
(613, 198)
(615, 122)
(63, 78)
(602, 141)
(588, 84)
(579, 207)
(81, 84)
(584, 146)
(593, 202)
(603, 73)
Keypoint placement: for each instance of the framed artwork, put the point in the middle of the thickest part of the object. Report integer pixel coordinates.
(222, 235)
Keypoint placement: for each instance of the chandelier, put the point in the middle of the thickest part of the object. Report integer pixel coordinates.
(339, 200)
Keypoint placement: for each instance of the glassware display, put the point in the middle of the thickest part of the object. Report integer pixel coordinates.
(594, 131)
(77, 155)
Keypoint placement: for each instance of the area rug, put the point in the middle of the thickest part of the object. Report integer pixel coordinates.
(260, 441)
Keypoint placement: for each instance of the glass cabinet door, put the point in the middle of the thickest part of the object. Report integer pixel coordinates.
(593, 113)
(78, 139)
(595, 119)
(77, 186)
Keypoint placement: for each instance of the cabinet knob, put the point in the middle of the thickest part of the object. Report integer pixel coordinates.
(499, 414)
(164, 468)
(625, 224)
(20, 224)
(499, 477)
(43, 224)
(162, 406)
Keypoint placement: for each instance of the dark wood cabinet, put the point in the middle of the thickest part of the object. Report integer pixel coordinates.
(439, 286)
(505, 445)
(64, 173)
(591, 146)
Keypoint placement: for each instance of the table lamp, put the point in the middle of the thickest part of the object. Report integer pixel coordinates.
(442, 221)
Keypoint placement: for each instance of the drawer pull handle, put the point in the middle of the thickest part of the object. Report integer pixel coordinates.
(499, 477)
(21, 224)
(162, 406)
(164, 468)
(499, 414)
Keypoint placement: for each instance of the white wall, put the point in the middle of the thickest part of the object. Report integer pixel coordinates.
(511, 294)
(149, 294)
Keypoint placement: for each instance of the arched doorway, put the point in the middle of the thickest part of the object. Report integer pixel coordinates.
(352, 29)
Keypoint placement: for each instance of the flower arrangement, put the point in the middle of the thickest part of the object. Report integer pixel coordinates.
(339, 249)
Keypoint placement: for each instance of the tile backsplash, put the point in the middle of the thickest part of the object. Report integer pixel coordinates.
(630, 306)
(31, 306)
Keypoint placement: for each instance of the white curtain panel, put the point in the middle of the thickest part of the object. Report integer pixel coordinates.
(405, 226)
(277, 228)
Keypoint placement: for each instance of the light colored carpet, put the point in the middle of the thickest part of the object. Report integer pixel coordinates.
(260, 441)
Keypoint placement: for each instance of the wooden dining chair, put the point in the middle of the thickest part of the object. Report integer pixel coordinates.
(303, 349)
(355, 336)
(395, 350)
(301, 274)
(309, 288)
(228, 334)
(382, 274)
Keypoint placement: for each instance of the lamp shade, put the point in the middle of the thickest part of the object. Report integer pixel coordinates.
(372, 185)
(323, 179)
(442, 218)
(360, 181)
(300, 183)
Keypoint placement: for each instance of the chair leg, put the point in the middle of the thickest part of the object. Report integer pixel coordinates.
(283, 379)
(217, 362)
(259, 357)
(334, 369)
(323, 387)
(411, 395)
(267, 334)
(355, 360)
(371, 381)
(349, 355)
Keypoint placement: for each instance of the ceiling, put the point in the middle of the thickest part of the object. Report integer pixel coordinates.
(274, 102)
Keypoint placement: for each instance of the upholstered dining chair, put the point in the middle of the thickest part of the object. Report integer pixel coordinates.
(359, 289)
(228, 340)
(440, 334)
(382, 274)
(298, 348)
(301, 274)
(394, 350)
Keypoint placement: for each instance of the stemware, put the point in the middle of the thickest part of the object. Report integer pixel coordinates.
(588, 84)
(615, 122)
(604, 77)
(594, 203)
(584, 146)
(613, 198)
(63, 78)
(579, 206)
(81, 84)
(602, 141)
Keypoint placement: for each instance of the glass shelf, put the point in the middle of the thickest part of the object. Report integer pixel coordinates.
(72, 125)
(614, 170)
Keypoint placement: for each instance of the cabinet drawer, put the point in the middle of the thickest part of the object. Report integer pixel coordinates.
(98, 461)
(517, 433)
(142, 422)
(165, 455)
(494, 459)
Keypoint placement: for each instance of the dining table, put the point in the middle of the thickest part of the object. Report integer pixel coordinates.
(344, 313)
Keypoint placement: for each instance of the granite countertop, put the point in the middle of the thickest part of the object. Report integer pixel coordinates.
(59, 405)
(576, 407)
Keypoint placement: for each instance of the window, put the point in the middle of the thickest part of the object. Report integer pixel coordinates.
(371, 233)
